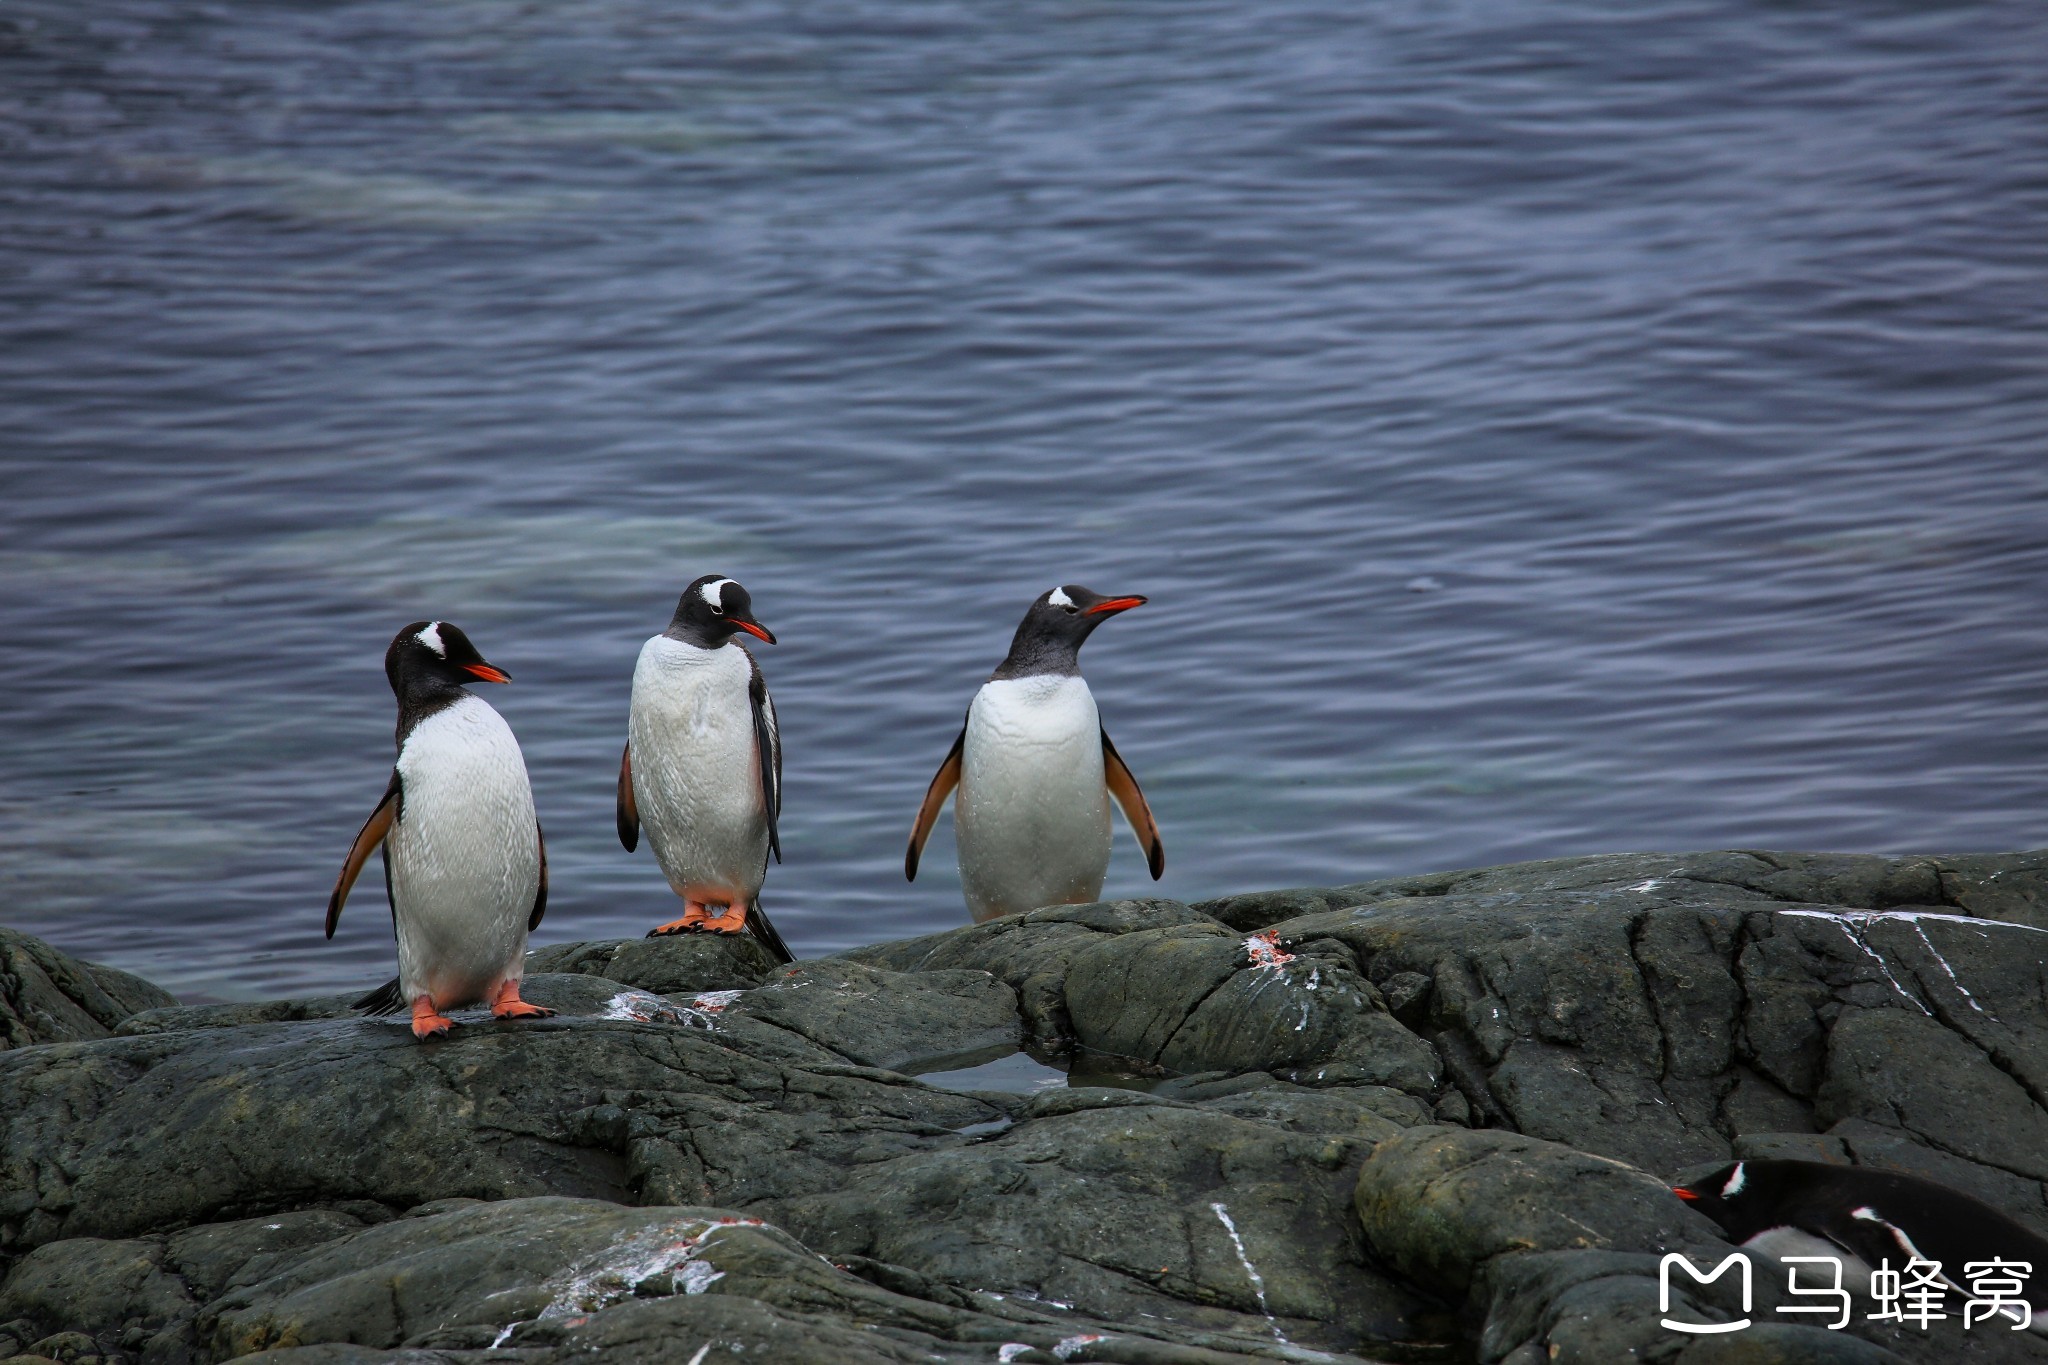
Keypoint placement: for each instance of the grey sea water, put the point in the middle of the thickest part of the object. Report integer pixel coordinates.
(1542, 428)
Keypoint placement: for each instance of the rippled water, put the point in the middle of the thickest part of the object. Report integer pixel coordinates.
(1541, 428)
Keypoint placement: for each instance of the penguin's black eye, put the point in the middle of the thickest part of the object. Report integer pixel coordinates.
(717, 610)
(1070, 610)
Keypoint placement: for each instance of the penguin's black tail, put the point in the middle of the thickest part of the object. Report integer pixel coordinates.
(758, 920)
(384, 1000)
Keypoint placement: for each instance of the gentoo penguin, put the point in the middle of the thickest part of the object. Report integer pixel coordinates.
(1806, 1208)
(702, 768)
(1036, 770)
(465, 868)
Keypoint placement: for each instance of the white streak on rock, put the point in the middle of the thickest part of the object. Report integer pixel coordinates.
(1914, 917)
(1258, 1281)
(1071, 1346)
(1954, 980)
(1853, 926)
(1010, 1350)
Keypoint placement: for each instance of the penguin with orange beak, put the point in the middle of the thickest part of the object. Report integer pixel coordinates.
(465, 867)
(702, 768)
(1035, 772)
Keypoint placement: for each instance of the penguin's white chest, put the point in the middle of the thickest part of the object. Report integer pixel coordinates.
(465, 855)
(1032, 814)
(696, 767)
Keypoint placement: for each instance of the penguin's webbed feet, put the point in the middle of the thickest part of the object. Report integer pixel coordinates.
(508, 1005)
(733, 921)
(428, 1022)
(695, 916)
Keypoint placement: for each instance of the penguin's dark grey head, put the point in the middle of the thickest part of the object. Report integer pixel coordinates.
(1744, 1197)
(712, 610)
(1049, 638)
(435, 656)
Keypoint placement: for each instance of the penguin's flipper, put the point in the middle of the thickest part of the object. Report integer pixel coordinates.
(384, 1000)
(629, 809)
(757, 920)
(943, 782)
(372, 834)
(1124, 788)
(768, 748)
(540, 895)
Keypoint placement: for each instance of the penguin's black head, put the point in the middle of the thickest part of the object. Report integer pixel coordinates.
(712, 610)
(1744, 1197)
(1049, 638)
(434, 655)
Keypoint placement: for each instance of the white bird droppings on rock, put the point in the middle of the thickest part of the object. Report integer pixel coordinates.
(1251, 1271)
(672, 1249)
(1265, 951)
(645, 1008)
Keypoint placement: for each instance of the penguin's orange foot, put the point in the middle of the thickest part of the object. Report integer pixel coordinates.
(508, 1005)
(694, 917)
(428, 1022)
(733, 921)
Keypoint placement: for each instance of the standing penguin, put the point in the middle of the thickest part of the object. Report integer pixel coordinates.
(703, 763)
(465, 868)
(1809, 1208)
(1036, 770)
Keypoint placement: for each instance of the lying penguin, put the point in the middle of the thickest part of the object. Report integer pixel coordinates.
(1035, 770)
(465, 868)
(1866, 1217)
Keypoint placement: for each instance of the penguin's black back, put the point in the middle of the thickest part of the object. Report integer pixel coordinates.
(1878, 1215)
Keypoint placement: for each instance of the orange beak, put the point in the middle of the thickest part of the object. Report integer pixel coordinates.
(487, 672)
(1115, 604)
(1687, 1195)
(753, 628)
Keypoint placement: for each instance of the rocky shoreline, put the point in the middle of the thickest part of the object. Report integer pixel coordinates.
(1419, 1119)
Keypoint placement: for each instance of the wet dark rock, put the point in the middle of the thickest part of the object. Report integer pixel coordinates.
(675, 964)
(1440, 1204)
(900, 1021)
(1134, 1209)
(1662, 1009)
(1424, 1118)
(1262, 909)
(171, 1018)
(47, 997)
(1162, 986)
(566, 992)
(127, 1134)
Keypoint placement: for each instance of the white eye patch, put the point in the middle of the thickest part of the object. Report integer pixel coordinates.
(714, 593)
(431, 638)
(1059, 598)
(1735, 1182)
